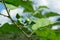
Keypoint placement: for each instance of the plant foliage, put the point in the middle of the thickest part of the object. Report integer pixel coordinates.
(31, 27)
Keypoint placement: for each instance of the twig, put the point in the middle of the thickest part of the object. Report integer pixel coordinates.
(4, 15)
(7, 11)
(13, 20)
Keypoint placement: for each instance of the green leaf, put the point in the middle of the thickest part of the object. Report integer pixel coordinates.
(6, 28)
(26, 4)
(43, 7)
(17, 16)
(41, 23)
(39, 15)
(50, 14)
(46, 33)
(9, 6)
(58, 34)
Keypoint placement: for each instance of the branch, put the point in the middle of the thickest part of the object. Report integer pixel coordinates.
(7, 11)
(13, 20)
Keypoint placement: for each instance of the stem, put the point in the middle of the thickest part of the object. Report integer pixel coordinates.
(13, 20)
(30, 34)
(3, 15)
(8, 12)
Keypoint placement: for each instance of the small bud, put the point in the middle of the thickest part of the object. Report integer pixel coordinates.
(28, 19)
